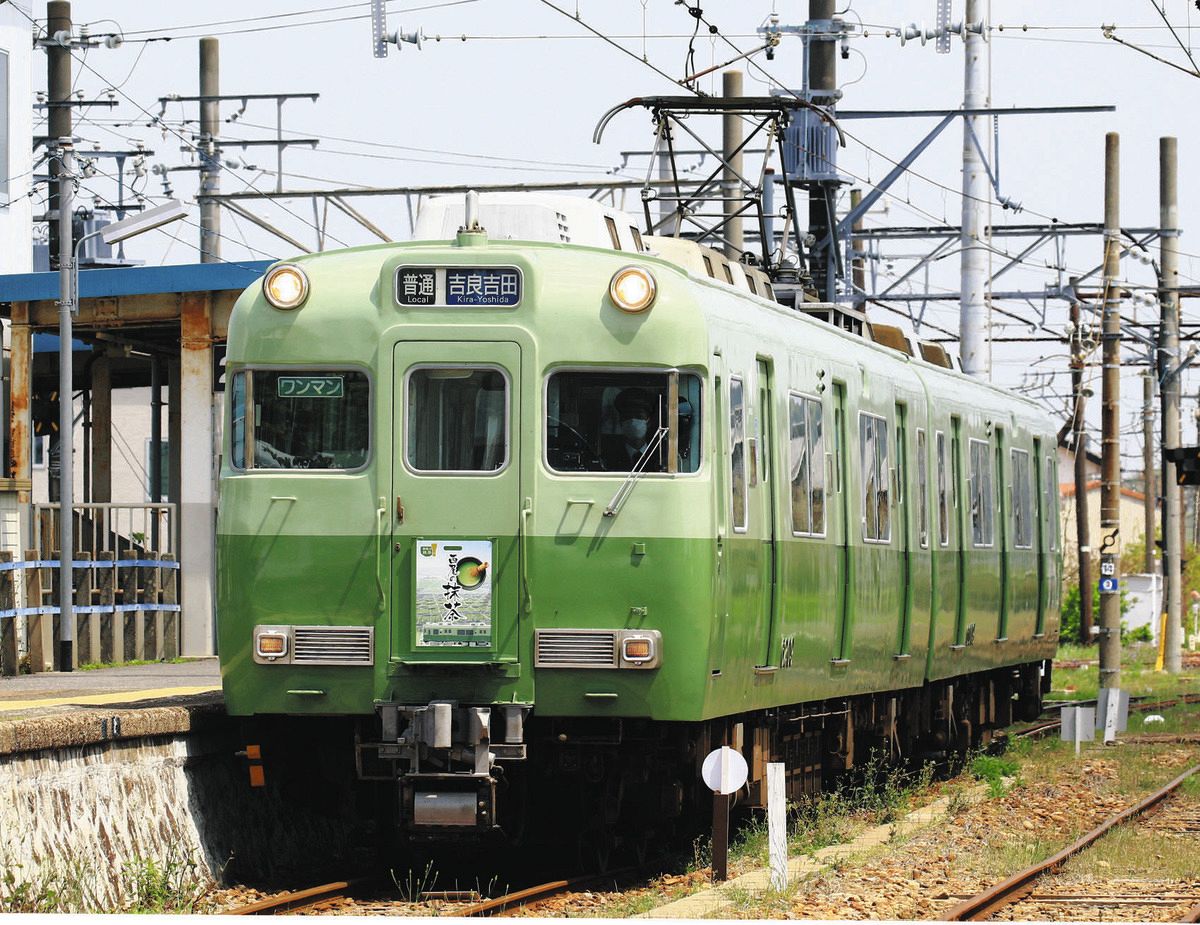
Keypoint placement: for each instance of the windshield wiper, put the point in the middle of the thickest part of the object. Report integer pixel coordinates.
(638, 468)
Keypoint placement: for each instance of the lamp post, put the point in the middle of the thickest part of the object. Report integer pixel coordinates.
(68, 304)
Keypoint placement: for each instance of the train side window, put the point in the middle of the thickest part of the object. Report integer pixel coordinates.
(300, 419)
(982, 517)
(816, 440)
(807, 466)
(457, 419)
(1050, 486)
(605, 420)
(922, 491)
(750, 280)
(728, 273)
(876, 475)
(708, 266)
(1022, 500)
(737, 452)
(637, 239)
(942, 495)
(612, 232)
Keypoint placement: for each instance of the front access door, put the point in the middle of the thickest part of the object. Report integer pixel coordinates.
(455, 506)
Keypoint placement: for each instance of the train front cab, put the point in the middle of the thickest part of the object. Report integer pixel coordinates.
(548, 517)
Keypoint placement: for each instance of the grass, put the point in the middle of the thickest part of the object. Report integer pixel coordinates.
(994, 769)
(879, 794)
(93, 666)
(175, 884)
(1137, 674)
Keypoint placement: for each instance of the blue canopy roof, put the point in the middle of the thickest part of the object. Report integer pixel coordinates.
(121, 281)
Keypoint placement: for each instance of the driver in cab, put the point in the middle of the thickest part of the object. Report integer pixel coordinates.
(622, 451)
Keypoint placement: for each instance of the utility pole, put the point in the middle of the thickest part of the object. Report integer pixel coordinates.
(1168, 297)
(210, 154)
(1110, 425)
(1150, 497)
(1082, 529)
(973, 327)
(731, 139)
(822, 86)
(66, 407)
(858, 264)
(58, 98)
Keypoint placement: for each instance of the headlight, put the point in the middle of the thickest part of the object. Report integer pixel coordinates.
(632, 289)
(285, 286)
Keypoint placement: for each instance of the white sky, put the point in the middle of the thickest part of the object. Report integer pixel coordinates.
(529, 84)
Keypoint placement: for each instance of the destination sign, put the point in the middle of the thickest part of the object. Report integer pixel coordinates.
(458, 287)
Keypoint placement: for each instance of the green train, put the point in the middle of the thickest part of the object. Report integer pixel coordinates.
(549, 517)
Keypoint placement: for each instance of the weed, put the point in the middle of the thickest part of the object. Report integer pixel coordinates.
(414, 884)
(59, 888)
(993, 769)
(174, 884)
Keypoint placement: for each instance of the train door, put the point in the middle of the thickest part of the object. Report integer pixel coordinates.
(455, 509)
(1039, 536)
(840, 534)
(762, 500)
(1002, 535)
(902, 526)
(959, 532)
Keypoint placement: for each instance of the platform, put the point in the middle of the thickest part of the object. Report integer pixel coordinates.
(59, 710)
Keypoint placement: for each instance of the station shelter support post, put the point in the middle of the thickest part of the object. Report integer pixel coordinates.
(101, 386)
(197, 533)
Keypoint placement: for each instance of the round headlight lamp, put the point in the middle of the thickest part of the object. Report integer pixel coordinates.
(632, 289)
(286, 286)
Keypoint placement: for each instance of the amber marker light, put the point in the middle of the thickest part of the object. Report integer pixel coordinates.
(637, 649)
(285, 286)
(271, 645)
(632, 289)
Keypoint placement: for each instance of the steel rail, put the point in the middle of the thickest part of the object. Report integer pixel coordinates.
(1038, 729)
(1018, 886)
(301, 899)
(521, 897)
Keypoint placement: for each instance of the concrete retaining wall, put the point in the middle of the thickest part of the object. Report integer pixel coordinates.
(86, 810)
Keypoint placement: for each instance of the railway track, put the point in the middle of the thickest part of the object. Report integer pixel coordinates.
(1045, 726)
(300, 900)
(1020, 886)
(313, 898)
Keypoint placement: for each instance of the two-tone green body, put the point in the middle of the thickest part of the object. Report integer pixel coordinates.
(750, 617)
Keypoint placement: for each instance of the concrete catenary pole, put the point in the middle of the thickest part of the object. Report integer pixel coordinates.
(1079, 427)
(58, 96)
(1149, 492)
(731, 138)
(66, 407)
(1110, 423)
(210, 154)
(1168, 298)
(973, 322)
(822, 85)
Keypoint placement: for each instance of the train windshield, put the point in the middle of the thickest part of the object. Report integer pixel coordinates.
(457, 419)
(607, 421)
(302, 419)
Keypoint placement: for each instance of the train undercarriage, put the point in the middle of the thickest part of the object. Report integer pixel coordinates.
(458, 772)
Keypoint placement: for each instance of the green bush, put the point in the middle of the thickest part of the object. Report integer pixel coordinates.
(1069, 611)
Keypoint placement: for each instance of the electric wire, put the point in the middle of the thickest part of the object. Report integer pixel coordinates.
(294, 25)
(186, 142)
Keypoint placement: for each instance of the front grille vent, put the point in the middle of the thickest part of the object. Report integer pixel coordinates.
(333, 645)
(576, 649)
